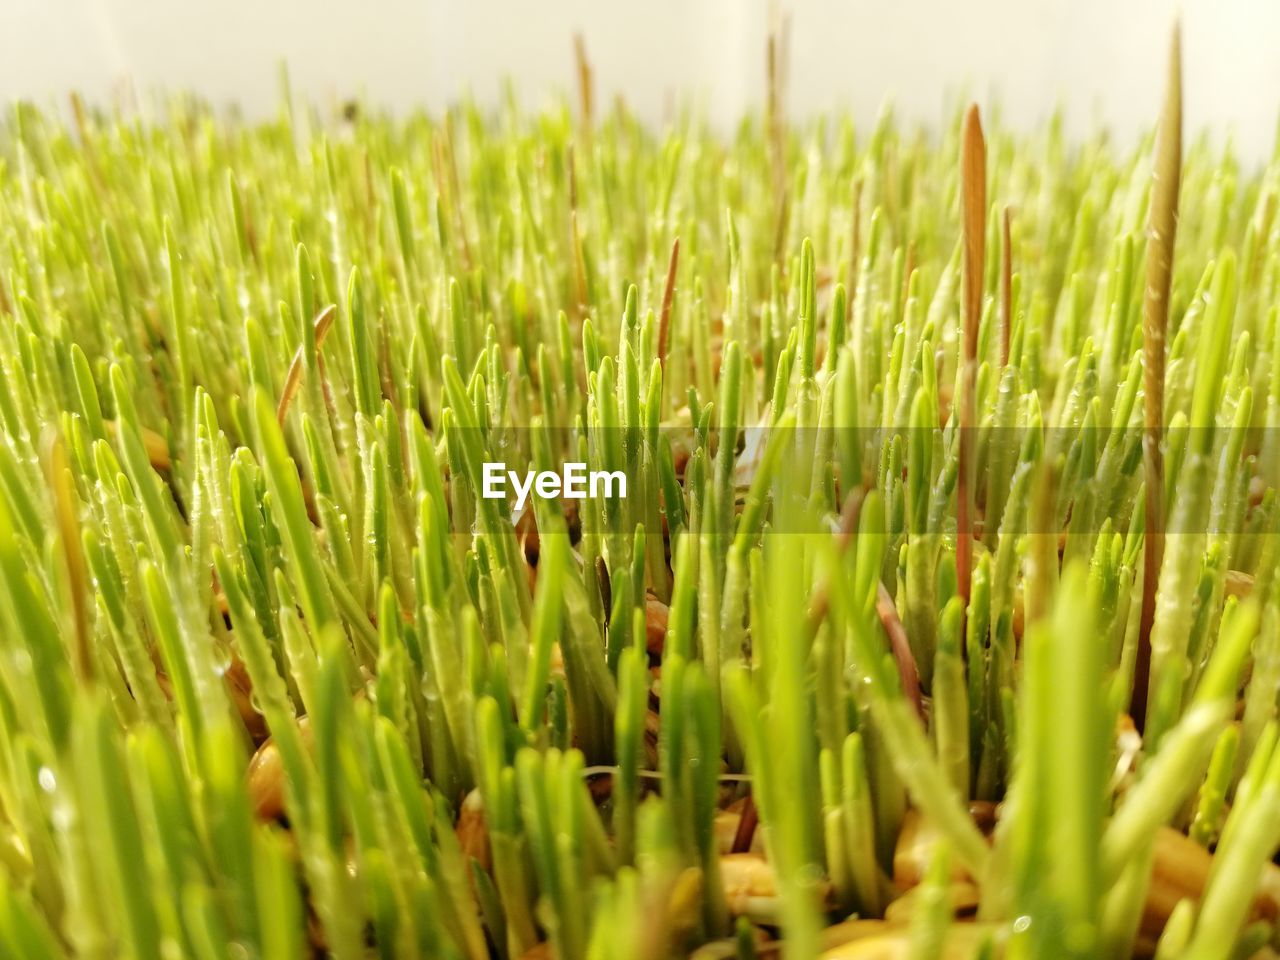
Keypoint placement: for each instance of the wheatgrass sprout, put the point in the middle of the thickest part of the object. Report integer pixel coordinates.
(939, 617)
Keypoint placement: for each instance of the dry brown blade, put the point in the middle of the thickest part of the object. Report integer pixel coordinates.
(820, 602)
(973, 194)
(586, 91)
(250, 231)
(1043, 552)
(747, 823)
(370, 206)
(575, 237)
(66, 508)
(455, 191)
(1263, 220)
(157, 447)
(783, 19)
(775, 68)
(668, 296)
(579, 266)
(86, 143)
(897, 633)
(819, 605)
(908, 268)
(855, 247)
(249, 235)
(1006, 289)
(1161, 237)
(386, 376)
(772, 99)
(293, 379)
(782, 211)
(449, 192)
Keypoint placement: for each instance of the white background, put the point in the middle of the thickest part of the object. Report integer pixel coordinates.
(1100, 59)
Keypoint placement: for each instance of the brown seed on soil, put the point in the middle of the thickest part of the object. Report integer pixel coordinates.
(240, 689)
(964, 897)
(916, 842)
(726, 826)
(962, 941)
(266, 775)
(1181, 870)
(472, 834)
(322, 324)
(1238, 584)
(751, 885)
(747, 876)
(1257, 487)
(656, 614)
(727, 949)
(850, 931)
(157, 447)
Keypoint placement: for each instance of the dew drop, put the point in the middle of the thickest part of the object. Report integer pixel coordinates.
(221, 660)
(810, 873)
(63, 817)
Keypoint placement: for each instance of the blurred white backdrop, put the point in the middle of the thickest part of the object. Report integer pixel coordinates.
(1100, 59)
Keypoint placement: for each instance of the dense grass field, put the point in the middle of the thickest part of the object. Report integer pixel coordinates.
(939, 620)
